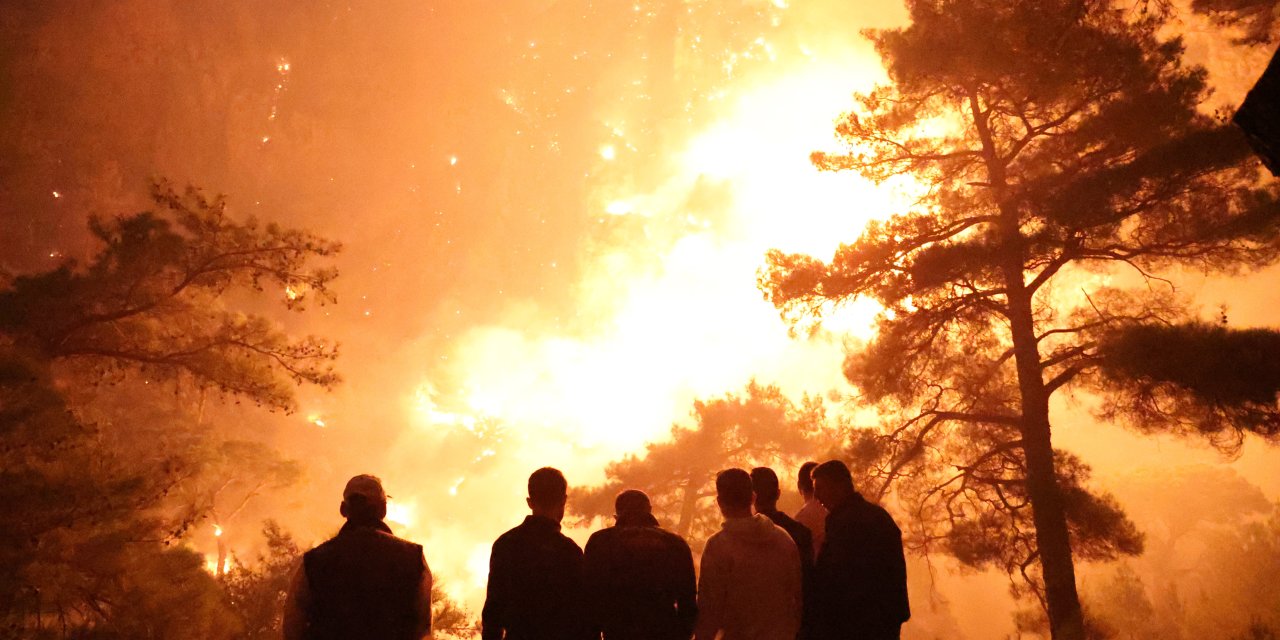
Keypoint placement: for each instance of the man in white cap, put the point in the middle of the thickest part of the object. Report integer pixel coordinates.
(364, 582)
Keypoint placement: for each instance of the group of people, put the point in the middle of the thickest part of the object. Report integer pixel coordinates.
(835, 571)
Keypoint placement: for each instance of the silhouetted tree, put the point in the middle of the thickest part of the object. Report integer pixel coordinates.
(1257, 19)
(1056, 140)
(152, 300)
(89, 478)
(760, 426)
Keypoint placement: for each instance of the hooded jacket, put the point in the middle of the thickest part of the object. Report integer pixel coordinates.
(750, 583)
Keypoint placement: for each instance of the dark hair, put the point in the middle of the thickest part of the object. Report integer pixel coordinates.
(547, 487)
(632, 501)
(835, 471)
(361, 509)
(733, 488)
(805, 481)
(765, 483)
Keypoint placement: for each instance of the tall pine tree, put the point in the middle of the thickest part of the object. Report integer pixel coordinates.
(1058, 140)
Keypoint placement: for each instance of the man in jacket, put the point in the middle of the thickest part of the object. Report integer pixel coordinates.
(860, 578)
(812, 515)
(535, 572)
(640, 578)
(750, 583)
(764, 483)
(364, 582)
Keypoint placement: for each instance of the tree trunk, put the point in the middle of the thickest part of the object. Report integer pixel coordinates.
(689, 507)
(1053, 542)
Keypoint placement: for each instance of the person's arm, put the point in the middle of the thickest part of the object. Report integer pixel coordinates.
(493, 617)
(685, 583)
(294, 625)
(819, 531)
(712, 589)
(794, 585)
(423, 602)
(594, 560)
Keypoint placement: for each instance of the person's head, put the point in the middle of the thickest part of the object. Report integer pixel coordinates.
(733, 493)
(548, 491)
(805, 480)
(764, 483)
(632, 506)
(363, 500)
(832, 483)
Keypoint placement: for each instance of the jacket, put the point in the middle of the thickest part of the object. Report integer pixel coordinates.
(750, 583)
(860, 578)
(640, 582)
(535, 585)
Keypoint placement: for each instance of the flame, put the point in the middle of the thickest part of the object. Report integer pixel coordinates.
(672, 313)
(217, 531)
(402, 513)
(664, 339)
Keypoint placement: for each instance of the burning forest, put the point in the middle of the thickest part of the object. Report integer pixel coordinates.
(1007, 267)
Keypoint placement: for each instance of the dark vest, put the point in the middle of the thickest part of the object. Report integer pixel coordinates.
(363, 584)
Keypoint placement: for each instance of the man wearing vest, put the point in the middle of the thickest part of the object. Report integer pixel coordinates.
(363, 583)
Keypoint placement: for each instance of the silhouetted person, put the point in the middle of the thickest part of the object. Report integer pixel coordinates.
(363, 583)
(750, 583)
(860, 578)
(640, 578)
(764, 483)
(535, 572)
(812, 514)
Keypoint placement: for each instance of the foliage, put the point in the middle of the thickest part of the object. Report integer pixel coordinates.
(1195, 378)
(151, 300)
(89, 480)
(1257, 19)
(760, 426)
(257, 591)
(1057, 141)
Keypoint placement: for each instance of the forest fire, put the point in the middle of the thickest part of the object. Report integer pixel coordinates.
(1001, 260)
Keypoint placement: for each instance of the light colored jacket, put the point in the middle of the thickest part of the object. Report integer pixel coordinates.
(814, 516)
(750, 583)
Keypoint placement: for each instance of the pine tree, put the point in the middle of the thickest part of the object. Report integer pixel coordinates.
(1057, 140)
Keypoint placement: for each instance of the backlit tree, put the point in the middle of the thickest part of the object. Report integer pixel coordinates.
(760, 426)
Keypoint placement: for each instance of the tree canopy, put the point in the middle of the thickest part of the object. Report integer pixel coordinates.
(1064, 153)
(100, 489)
(757, 427)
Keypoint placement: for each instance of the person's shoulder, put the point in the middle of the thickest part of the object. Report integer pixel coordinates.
(781, 535)
(394, 540)
(672, 538)
(717, 540)
(601, 537)
(510, 536)
(568, 544)
(884, 518)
